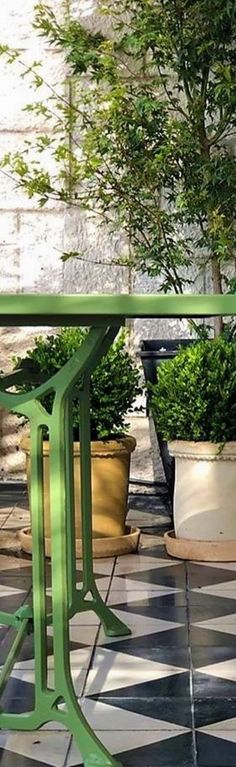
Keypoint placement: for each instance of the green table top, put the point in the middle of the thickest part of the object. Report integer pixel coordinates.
(50, 309)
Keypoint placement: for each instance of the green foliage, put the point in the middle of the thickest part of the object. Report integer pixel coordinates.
(144, 139)
(114, 385)
(195, 396)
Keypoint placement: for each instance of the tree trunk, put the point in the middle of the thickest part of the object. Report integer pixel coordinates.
(217, 288)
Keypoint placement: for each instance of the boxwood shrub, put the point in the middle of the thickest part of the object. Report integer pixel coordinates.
(114, 387)
(195, 396)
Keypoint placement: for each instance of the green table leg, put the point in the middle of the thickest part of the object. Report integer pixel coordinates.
(66, 600)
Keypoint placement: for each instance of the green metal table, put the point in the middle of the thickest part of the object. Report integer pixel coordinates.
(104, 314)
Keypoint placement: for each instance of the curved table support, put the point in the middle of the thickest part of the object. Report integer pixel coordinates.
(66, 598)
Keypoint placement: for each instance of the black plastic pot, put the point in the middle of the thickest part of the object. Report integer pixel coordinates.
(153, 354)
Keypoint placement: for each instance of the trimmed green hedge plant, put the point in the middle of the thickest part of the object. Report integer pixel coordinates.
(195, 396)
(114, 385)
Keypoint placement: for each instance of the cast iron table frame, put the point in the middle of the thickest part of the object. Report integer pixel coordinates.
(104, 314)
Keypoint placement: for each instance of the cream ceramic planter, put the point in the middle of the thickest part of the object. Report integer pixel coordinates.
(110, 478)
(205, 490)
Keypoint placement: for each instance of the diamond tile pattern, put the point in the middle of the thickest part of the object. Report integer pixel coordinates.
(164, 696)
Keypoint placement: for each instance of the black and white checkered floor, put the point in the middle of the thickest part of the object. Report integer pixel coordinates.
(163, 697)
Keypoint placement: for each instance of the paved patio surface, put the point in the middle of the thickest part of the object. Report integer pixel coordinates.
(164, 697)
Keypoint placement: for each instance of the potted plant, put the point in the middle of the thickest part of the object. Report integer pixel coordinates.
(194, 405)
(114, 387)
(152, 353)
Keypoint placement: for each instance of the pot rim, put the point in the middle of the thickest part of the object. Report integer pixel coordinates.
(104, 448)
(203, 451)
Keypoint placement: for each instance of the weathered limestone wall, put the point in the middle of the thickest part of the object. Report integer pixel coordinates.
(31, 239)
(29, 260)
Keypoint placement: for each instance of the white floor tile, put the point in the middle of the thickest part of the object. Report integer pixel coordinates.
(78, 659)
(45, 747)
(78, 676)
(117, 742)
(140, 626)
(3, 526)
(8, 591)
(224, 670)
(82, 634)
(101, 583)
(128, 584)
(14, 563)
(99, 714)
(227, 589)
(136, 564)
(225, 730)
(104, 566)
(112, 670)
(124, 595)
(148, 541)
(226, 624)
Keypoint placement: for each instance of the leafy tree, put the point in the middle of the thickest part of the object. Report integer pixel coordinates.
(145, 137)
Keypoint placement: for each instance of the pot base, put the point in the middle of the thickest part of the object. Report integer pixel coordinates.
(201, 551)
(102, 547)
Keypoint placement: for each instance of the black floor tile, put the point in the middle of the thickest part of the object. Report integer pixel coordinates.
(208, 686)
(150, 648)
(12, 602)
(18, 697)
(174, 752)
(175, 710)
(158, 551)
(11, 498)
(148, 503)
(212, 710)
(167, 639)
(204, 655)
(11, 581)
(215, 752)
(197, 597)
(206, 637)
(8, 759)
(167, 607)
(201, 575)
(173, 577)
(211, 607)
(9, 574)
(171, 638)
(173, 687)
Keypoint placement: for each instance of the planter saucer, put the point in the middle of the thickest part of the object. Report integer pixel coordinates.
(202, 551)
(102, 547)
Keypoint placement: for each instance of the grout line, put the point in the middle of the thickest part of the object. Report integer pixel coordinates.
(194, 742)
(67, 750)
(14, 508)
(8, 515)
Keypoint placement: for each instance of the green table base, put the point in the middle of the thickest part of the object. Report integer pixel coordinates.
(106, 314)
(67, 600)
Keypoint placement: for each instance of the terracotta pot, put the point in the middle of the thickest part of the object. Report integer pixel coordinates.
(110, 478)
(205, 490)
